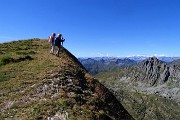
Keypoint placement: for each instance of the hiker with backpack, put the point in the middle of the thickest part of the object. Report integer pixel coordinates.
(58, 42)
(51, 40)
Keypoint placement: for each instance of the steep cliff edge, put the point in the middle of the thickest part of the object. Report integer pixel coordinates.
(66, 92)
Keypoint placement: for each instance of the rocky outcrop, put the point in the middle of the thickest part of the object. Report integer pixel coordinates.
(157, 77)
(155, 71)
(175, 70)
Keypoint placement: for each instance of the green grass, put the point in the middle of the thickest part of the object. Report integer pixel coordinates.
(5, 59)
(18, 77)
(23, 64)
(25, 52)
(62, 102)
(4, 77)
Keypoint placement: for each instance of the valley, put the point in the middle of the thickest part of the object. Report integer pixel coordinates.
(148, 89)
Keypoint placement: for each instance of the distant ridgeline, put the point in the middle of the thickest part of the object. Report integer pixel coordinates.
(96, 65)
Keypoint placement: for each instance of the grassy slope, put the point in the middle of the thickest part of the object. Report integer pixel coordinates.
(22, 81)
(17, 77)
(140, 106)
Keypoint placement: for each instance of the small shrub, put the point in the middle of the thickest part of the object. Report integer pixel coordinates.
(23, 58)
(5, 60)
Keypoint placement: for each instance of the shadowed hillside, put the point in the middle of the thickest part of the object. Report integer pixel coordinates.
(37, 85)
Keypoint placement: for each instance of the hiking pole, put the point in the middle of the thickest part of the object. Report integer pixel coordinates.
(63, 40)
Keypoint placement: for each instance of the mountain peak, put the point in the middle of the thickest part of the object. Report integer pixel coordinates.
(155, 71)
(152, 61)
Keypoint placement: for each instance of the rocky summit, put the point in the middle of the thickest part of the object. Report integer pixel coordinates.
(67, 91)
(156, 72)
(155, 76)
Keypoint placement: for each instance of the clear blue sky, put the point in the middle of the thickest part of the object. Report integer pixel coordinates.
(97, 27)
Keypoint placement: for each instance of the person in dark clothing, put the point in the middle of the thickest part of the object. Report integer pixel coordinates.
(58, 42)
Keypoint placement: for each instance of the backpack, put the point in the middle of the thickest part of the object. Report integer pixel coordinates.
(57, 41)
(51, 39)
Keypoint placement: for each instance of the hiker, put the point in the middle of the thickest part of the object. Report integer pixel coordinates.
(51, 40)
(58, 42)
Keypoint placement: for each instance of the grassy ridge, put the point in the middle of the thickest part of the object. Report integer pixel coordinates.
(23, 64)
(37, 85)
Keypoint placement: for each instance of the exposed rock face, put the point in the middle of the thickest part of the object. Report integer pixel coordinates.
(165, 75)
(175, 70)
(155, 76)
(156, 72)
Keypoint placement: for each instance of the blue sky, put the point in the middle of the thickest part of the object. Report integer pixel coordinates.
(97, 27)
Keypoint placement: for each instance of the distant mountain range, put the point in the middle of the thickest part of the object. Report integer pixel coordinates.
(135, 58)
(97, 65)
(162, 58)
